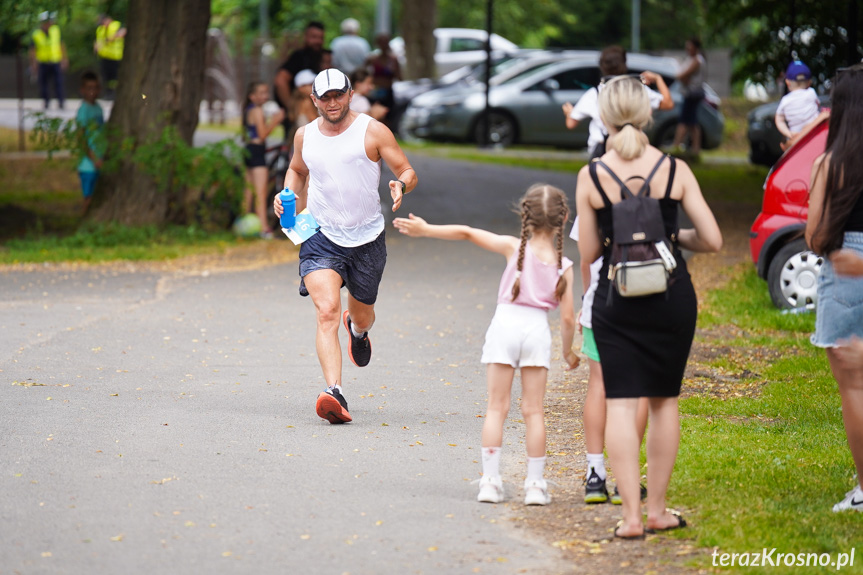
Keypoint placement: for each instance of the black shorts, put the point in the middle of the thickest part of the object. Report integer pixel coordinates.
(361, 268)
(689, 110)
(255, 155)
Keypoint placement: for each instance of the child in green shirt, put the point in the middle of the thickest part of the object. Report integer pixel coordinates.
(90, 121)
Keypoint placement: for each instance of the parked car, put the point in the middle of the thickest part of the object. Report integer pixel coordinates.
(457, 47)
(776, 239)
(764, 138)
(526, 104)
(406, 90)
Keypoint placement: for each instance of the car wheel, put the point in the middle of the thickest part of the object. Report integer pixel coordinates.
(793, 274)
(501, 129)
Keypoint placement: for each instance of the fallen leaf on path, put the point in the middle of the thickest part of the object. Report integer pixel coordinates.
(163, 481)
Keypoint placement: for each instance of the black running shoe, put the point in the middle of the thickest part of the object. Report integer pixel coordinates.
(332, 406)
(359, 348)
(594, 489)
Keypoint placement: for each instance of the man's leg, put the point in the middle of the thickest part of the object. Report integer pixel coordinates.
(364, 278)
(323, 286)
(362, 315)
(43, 83)
(58, 86)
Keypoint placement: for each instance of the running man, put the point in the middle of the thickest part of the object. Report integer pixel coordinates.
(338, 156)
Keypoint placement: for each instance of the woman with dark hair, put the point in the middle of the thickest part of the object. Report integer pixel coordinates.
(835, 228)
(691, 78)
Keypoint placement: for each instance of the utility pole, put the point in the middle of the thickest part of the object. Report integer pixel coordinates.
(636, 25)
(485, 140)
(264, 33)
(853, 31)
(382, 18)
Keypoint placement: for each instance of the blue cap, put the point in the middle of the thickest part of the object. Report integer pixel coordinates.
(799, 71)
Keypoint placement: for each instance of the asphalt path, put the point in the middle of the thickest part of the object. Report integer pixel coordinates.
(164, 422)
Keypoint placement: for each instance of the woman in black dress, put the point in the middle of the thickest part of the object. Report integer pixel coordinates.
(644, 341)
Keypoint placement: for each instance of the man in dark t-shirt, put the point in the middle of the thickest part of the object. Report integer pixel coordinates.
(306, 58)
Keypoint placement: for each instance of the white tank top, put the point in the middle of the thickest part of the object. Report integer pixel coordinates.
(343, 184)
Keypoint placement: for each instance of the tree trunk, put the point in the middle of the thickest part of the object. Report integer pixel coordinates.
(160, 84)
(419, 19)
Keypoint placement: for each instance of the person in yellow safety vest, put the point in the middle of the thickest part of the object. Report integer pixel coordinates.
(48, 57)
(110, 40)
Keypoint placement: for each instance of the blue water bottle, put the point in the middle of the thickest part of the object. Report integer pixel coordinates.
(289, 204)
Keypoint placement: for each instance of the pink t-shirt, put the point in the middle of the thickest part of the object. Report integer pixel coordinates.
(538, 281)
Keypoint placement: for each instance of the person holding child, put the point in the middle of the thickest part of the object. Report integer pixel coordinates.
(256, 128)
(537, 279)
(834, 229)
(643, 342)
(800, 107)
(89, 121)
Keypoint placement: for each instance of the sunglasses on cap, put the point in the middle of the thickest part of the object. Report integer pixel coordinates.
(606, 79)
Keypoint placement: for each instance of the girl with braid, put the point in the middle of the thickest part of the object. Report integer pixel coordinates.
(537, 279)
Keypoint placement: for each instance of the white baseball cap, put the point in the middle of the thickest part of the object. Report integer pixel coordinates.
(304, 78)
(330, 80)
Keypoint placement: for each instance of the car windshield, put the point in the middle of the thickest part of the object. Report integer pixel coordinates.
(477, 73)
(528, 72)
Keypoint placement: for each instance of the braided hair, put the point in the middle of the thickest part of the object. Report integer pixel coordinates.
(542, 207)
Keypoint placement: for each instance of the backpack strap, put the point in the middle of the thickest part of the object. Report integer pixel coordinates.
(645, 187)
(624, 191)
(671, 169)
(592, 170)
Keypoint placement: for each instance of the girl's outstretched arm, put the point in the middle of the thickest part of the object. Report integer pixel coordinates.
(417, 227)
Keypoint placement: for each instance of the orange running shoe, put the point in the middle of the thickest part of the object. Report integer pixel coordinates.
(359, 348)
(332, 406)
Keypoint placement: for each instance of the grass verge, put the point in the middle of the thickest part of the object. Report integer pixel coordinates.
(108, 242)
(40, 221)
(762, 469)
(727, 182)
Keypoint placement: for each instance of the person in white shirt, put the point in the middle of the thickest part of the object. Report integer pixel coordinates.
(612, 62)
(335, 173)
(800, 107)
(349, 50)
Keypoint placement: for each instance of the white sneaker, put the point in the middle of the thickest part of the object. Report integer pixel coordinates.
(853, 500)
(536, 492)
(490, 490)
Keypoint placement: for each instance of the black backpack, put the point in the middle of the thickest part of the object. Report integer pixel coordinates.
(641, 259)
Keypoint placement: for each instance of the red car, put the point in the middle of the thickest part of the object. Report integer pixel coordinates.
(776, 238)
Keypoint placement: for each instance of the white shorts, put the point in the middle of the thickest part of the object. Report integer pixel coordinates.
(518, 336)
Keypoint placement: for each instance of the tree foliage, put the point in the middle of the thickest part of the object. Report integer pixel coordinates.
(768, 34)
(76, 18)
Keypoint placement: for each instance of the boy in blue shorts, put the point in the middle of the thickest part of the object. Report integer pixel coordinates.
(89, 121)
